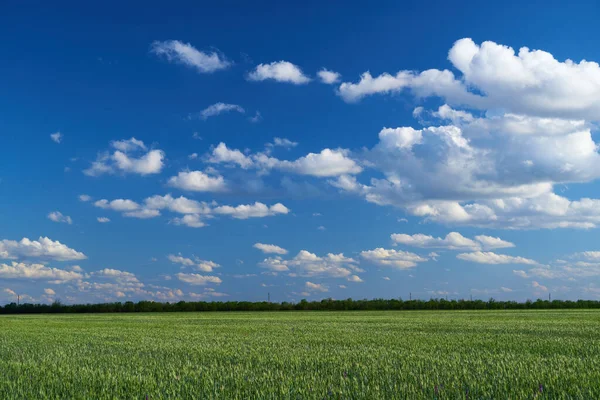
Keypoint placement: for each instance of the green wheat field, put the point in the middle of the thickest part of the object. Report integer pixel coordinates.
(302, 355)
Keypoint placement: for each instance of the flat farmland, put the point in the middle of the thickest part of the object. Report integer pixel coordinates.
(302, 355)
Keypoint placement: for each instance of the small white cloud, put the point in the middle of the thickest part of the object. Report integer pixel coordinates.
(280, 71)
(355, 278)
(198, 181)
(103, 220)
(270, 248)
(283, 142)
(56, 137)
(392, 258)
(186, 54)
(494, 258)
(329, 77)
(193, 156)
(256, 118)
(57, 216)
(84, 198)
(539, 286)
(196, 279)
(386, 278)
(315, 287)
(219, 108)
(49, 292)
(321, 228)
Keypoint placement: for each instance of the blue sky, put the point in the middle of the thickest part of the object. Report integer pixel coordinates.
(222, 152)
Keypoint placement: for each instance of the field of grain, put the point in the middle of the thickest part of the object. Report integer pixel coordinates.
(302, 355)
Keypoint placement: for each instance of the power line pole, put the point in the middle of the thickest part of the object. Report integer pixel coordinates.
(269, 297)
(18, 299)
(410, 296)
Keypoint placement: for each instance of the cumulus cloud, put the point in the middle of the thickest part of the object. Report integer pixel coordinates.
(103, 220)
(315, 287)
(307, 264)
(219, 108)
(57, 216)
(283, 142)
(452, 241)
(327, 163)
(494, 258)
(18, 270)
(129, 157)
(256, 210)
(280, 71)
(85, 198)
(270, 248)
(49, 292)
(196, 279)
(197, 264)
(43, 248)
(329, 77)
(198, 181)
(186, 54)
(392, 258)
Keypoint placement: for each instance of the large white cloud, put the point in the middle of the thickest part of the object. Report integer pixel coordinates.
(186, 54)
(280, 71)
(18, 270)
(196, 279)
(256, 210)
(43, 248)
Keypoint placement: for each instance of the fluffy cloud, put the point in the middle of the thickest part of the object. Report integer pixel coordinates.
(493, 258)
(181, 204)
(190, 220)
(280, 71)
(117, 205)
(452, 241)
(17, 270)
(196, 279)
(219, 108)
(57, 216)
(103, 220)
(329, 77)
(256, 210)
(130, 156)
(327, 163)
(283, 142)
(56, 137)
(392, 258)
(270, 248)
(307, 264)
(186, 54)
(315, 287)
(49, 292)
(43, 248)
(84, 198)
(198, 181)
(198, 264)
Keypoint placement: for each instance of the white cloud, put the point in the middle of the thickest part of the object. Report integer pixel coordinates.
(56, 137)
(198, 181)
(130, 156)
(520, 273)
(283, 142)
(505, 289)
(324, 164)
(117, 205)
(222, 154)
(49, 292)
(494, 258)
(103, 220)
(280, 71)
(392, 258)
(190, 220)
(329, 77)
(196, 279)
(452, 241)
(307, 264)
(256, 118)
(181, 260)
(219, 108)
(197, 264)
(181, 204)
(143, 213)
(84, 198)
(315, 287)
(57, 216)
(43, 248)
(256, 210)
(17, 270)
(186, 54)
(354, 278)
(270, 248)
(386, 278)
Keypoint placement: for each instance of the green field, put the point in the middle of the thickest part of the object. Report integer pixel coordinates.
(302, 355)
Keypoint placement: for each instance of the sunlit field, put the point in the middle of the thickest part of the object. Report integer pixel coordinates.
(302, 355)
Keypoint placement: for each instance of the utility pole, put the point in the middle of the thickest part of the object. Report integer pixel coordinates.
(410, 296)
(269, 297)
(18, 299)
(549, 297)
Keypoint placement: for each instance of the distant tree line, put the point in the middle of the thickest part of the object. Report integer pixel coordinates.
(323, 305)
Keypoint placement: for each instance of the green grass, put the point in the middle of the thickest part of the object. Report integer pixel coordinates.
(349, 355)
